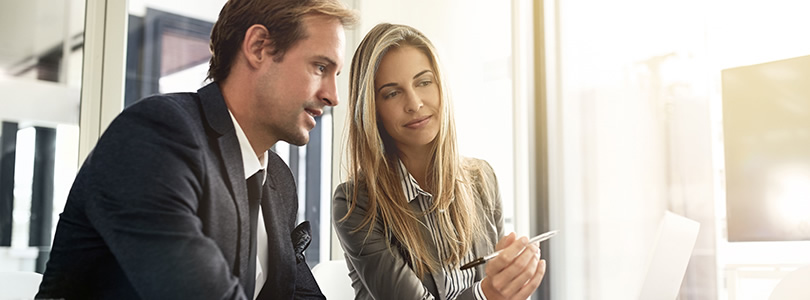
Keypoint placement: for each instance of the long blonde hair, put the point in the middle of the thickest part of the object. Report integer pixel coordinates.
(374, 162)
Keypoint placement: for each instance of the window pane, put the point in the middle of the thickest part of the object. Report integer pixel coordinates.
(41, 47)
(638, 122)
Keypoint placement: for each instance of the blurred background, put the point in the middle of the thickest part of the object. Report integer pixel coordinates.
(597, 117)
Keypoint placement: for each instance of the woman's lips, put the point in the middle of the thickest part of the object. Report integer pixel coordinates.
(418, 123)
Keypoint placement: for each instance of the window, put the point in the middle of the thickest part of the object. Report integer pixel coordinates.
(40, 76)
(636, 128)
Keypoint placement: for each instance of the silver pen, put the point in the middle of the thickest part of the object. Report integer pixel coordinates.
(481, 260)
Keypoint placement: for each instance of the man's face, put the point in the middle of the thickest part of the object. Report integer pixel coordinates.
(293, 91)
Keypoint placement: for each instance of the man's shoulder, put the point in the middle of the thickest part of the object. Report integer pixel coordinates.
(171, 109)
(170, 102)
(172, 117)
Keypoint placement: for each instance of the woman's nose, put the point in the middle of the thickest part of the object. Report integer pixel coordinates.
(414, 102)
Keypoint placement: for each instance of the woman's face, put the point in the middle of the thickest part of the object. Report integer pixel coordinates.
(407, 97)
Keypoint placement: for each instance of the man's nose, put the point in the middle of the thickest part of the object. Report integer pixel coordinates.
(329, 94)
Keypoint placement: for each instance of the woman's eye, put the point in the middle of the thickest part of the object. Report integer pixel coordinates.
(424, 83)
(391, 95)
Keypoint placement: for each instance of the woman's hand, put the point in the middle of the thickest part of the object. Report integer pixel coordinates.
(516, 272)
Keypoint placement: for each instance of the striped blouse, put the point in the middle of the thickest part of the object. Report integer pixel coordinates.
(455, 281)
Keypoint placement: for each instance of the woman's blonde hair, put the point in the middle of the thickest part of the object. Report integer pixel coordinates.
(374, 162)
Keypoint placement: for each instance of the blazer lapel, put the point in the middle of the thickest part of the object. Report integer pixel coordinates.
(219, 120)
(437, 277)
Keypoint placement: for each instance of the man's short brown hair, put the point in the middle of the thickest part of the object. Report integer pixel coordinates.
(282, 18)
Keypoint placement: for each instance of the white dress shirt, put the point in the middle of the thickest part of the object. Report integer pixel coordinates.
(252, 165)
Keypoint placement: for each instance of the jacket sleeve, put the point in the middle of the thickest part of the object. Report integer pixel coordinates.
(147, 176)
(383, 274)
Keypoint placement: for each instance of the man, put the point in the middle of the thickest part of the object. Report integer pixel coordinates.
(162, 210)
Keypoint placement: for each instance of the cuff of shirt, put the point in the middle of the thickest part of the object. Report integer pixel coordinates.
(479, 292)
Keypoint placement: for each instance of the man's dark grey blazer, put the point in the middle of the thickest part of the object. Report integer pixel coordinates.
(159, 210)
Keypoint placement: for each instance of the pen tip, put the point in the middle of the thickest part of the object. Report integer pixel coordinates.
(473, 263)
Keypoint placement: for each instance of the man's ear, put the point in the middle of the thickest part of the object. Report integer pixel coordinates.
(257, 45)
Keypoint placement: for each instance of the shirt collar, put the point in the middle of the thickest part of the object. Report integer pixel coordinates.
(410, 187)
(252, 163)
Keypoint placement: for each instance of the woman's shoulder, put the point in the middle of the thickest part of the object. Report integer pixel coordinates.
(483, 181)
(345, 190)
(349, 212)
(478, 169)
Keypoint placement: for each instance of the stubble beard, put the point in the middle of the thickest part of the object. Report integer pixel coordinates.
(295, 135)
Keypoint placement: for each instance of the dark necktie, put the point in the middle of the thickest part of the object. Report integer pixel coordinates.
(254, 187)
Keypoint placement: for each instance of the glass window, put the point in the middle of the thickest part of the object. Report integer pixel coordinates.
(636, 127)
(41, 48)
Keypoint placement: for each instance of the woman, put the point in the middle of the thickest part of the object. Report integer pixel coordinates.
(413, 211)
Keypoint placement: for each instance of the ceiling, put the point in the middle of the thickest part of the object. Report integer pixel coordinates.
(29, 29)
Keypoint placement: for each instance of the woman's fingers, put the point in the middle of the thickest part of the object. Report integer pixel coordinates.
(505, 241)
(513, 267)
(520, 271)
(532, 285)
(512, 248)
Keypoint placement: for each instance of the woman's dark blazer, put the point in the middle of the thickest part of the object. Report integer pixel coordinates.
(377, 274)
